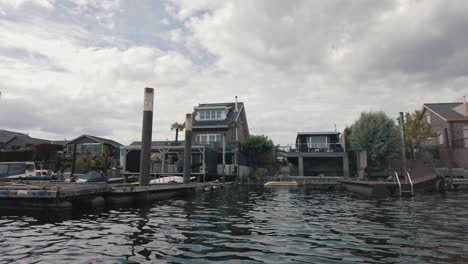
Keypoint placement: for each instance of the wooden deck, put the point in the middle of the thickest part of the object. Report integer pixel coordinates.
(41, 194)
(50, 190)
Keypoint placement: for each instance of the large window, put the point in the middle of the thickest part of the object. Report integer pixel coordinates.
(210, 114)
(91, 149)
(318, 142)
(208, 138)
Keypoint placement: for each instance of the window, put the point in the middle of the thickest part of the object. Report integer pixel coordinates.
(428, 118)
(317, 142)
(93, 149)
(208, 138)
(441, 138)
(211, 115)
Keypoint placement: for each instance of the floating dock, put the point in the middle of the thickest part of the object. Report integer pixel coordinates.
(50, 194)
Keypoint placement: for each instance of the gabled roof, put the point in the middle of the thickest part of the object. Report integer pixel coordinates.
(6, 135)
(29, 140)
(446, 110)
(231, 115)
(99, 140)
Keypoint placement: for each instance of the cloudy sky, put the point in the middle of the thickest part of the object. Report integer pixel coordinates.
(69, 67)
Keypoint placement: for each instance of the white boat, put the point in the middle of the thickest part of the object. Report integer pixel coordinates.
(20, 169)
(169, 179)
(280, 183)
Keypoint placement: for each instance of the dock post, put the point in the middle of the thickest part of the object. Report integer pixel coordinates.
(72, 172)
(147, 131)
(403, 144)
(448, 147)
(188, 148)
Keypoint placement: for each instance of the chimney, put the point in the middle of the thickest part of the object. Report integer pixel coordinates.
(235, 107)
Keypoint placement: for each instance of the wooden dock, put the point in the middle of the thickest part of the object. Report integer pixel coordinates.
(52, 194)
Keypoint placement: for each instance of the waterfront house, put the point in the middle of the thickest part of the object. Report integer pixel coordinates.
(87, 145)
(213, 121)
(454, 118)
(319, 154)
(5, 136)
(22, 141)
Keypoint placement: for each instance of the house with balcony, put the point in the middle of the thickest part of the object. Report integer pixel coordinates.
(454, 118)
(214, 121)
(319, 154)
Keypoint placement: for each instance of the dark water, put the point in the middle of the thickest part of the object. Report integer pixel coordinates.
(248, 225)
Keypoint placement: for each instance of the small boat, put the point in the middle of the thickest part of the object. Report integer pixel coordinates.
(280, 183)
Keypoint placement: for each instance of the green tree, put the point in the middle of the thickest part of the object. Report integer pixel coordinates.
(256, 146)
(377, 134)
(417, 131)
(177, 127)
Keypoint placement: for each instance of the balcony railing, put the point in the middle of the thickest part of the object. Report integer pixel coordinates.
(314, 147)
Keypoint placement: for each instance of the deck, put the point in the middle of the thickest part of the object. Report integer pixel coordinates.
(40, 194)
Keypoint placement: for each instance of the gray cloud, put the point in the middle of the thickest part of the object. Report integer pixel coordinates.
(80, 66)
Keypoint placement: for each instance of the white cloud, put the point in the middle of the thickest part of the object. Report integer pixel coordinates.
(300, 66)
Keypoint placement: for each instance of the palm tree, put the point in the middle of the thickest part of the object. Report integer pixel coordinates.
(177, 127)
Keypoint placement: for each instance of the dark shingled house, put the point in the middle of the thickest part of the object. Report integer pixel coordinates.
(87, 145)
(454, 118)
(212, 122)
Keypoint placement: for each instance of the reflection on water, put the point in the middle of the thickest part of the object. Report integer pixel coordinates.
(247, 225)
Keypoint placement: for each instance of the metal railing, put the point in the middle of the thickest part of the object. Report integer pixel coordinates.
(398, 180)
(313, 147)
(411, 182)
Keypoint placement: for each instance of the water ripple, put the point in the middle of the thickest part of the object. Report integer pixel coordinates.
(248, 225)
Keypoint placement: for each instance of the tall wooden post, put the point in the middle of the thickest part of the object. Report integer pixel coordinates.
(147, 131)
(224, 159)
(448, 147)
(72, 173)
(403, 144)
(188, 148)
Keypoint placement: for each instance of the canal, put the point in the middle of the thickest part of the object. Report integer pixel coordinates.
(247, 225)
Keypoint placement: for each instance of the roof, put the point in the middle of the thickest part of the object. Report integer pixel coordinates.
(29, 140)
(98, 139)
(231, 115)
(446, 110)
(6, 135)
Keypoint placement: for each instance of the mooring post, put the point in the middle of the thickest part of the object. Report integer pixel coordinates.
(188, 148)
(448, 147)
(224, 160)
(72, 172)
(403, 144)
(147, 131)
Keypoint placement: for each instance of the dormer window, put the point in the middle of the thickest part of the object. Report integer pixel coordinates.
(210, 114)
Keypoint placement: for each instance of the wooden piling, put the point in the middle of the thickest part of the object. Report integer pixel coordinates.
(147, 131)
(188, 148)
(403, 144)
